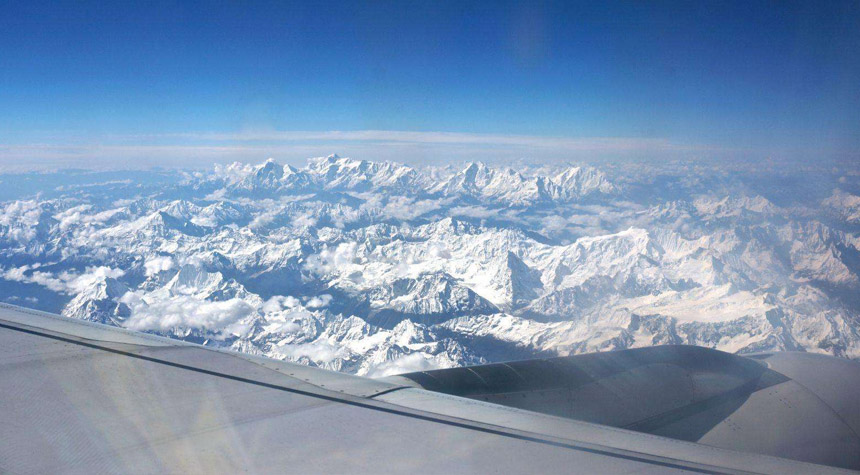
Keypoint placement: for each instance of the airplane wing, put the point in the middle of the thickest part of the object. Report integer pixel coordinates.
(78, 397)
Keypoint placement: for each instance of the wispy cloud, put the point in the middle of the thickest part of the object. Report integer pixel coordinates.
(398, 136)
(204, 148)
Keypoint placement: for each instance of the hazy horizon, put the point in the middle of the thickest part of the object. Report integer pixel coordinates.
(94, 85)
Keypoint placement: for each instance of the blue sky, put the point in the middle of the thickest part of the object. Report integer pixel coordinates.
(188, 82)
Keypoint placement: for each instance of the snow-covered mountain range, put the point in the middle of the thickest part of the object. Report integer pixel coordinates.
(376, 268)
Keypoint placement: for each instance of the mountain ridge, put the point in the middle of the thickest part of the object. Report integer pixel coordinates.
(377, 267)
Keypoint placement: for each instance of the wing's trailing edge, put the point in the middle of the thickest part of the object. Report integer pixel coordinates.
(78, 397)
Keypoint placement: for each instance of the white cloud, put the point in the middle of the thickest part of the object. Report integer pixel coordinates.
(27, 274)
(320, 301)
(333, 259)
(78, 283)
(79, 216)
(553, 224)
(18, 274)
(404, 364)
(157, 264)
(208, 221)
(65, 282)
(71, 216)
(306, 220)
(406, 208)
(21, 212)
(282, 328)
(438, 250)
(265, 218)
(181, 312)
(279, 303)
(21, 217)
(471, 212)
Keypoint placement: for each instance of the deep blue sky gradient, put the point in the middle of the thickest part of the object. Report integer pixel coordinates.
(752, 74)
